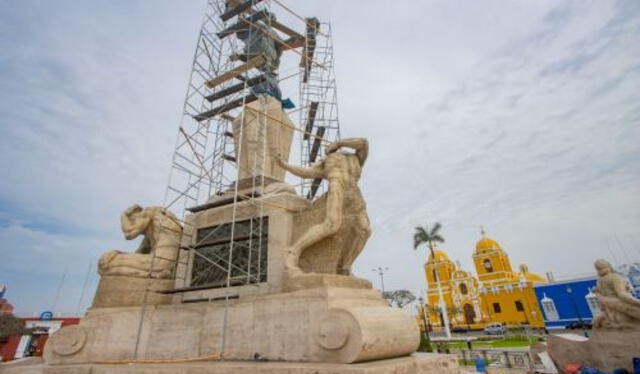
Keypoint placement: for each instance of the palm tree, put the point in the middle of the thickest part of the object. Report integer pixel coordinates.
(431, 237)
(424, 235)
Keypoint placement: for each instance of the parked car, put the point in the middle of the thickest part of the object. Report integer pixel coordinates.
(495, 329)
(578, 325)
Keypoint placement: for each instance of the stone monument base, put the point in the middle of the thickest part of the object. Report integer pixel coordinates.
(605, 350)
(416, 364)
(323, 323)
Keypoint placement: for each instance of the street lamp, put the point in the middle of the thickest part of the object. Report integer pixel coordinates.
(442, 304)
(380, 272)
(575, 306)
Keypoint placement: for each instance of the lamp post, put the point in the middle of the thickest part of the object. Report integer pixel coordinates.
(441, 302)
(575, 306)
(427, 325)
(380, 272)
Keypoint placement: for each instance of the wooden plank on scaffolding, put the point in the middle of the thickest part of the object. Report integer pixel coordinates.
(229, 158)
(252, 63)
(314, 188)
(236, 88)
(311, 118)
(309, 47)
(219, 284)
(244, 23)
(225, 107)
(227, 118)
(283, 28)
(291, 43)
(238, 9)
(315, 148)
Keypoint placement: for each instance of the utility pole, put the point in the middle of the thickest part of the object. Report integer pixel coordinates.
(380, 272)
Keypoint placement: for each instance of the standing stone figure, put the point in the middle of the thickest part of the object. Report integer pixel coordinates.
(618, 308)
(343, 171)
(161, 231)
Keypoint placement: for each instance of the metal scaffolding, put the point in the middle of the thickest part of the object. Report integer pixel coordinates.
(225, 77)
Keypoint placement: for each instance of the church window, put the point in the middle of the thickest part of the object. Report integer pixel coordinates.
(519, 306)
(463, 289)
(593, 303)
(549, 308)
(496, 308)
(488, 266)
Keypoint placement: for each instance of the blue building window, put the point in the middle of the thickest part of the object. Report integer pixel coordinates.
(549, 308)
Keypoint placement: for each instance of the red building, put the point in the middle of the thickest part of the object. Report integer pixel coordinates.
(17, 346)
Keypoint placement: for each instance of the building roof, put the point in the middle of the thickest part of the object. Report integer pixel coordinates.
(440, 255)
(486, 244)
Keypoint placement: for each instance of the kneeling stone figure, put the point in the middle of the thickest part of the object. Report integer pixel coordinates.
(157, 253)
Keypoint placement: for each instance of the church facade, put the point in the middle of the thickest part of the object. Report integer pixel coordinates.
(496, 294)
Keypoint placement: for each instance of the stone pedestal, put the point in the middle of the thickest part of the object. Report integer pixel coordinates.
(322, 324)
(118, 291)
(262, 130)
(605, 350)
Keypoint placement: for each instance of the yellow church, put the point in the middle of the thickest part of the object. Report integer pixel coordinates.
(497, 294)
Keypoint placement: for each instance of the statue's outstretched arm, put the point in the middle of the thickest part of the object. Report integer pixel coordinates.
(309, 173)
(360, 145)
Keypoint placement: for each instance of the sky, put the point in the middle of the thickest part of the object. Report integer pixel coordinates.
(518, 116)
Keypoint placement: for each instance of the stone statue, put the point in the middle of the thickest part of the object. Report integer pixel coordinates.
(157, 252)
(342, 170)
(618, 308)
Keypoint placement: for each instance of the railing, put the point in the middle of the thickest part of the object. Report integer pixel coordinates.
(507, 358)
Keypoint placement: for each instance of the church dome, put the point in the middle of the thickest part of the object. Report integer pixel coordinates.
(530, 277)
(441, 256)
(487, 244)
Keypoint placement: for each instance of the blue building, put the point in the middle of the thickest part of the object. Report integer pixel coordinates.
(564, 302)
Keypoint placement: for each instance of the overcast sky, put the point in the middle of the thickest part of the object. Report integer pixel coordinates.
(522, 116)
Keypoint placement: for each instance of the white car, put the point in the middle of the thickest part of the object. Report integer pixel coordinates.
(495, 329)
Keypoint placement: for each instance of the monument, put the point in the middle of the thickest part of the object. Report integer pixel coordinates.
(616, 329)
(257, 278)
(308, 309)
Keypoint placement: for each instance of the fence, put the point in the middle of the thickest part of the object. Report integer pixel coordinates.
(506, 358)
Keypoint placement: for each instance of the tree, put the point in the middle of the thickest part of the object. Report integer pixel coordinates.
(11, 325)
(424, 235)
(399, 297)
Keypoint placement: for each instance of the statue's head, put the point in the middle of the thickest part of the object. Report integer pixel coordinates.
(603, 267)
(129, 227)
(134, 211)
